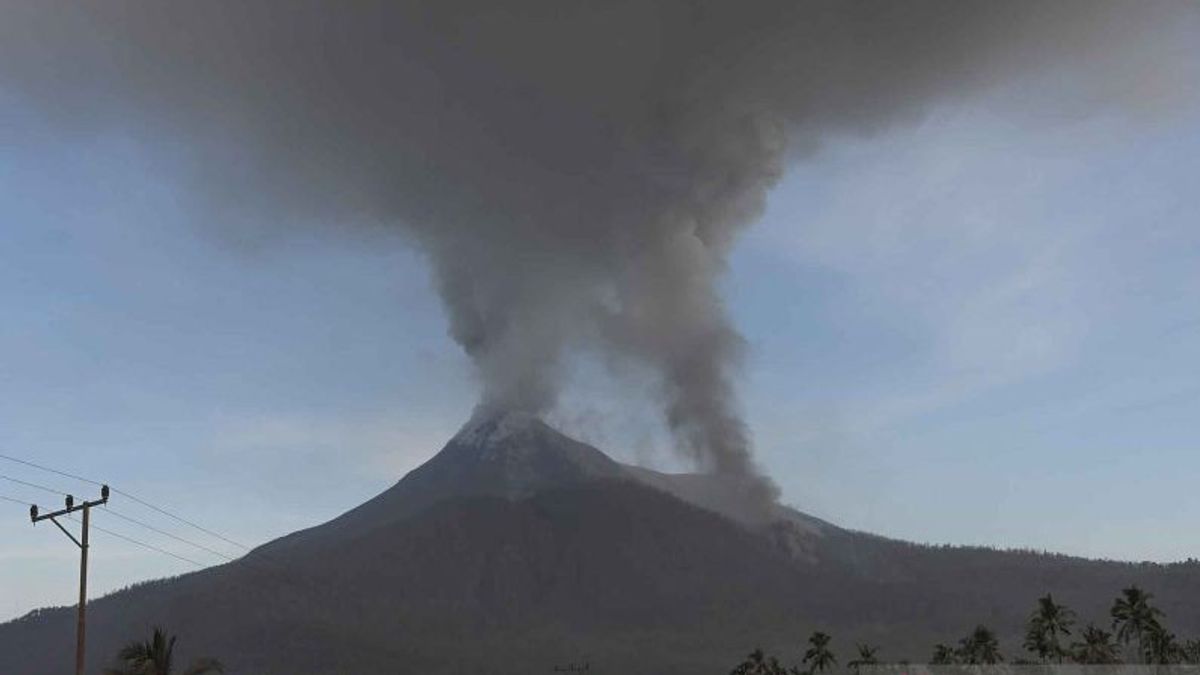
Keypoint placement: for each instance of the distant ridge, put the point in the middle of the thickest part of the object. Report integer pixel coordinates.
(515, 547)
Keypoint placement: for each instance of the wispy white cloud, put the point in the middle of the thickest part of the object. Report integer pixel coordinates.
(957, 238)
(992, 294)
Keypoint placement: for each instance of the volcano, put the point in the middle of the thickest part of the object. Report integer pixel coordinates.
(516, 549)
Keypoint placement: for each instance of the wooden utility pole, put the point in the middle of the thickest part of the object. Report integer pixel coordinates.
(82, 543)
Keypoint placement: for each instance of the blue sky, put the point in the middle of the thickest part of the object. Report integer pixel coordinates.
(978, 328)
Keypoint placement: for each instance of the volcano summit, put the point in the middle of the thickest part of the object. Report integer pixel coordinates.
(516, 548)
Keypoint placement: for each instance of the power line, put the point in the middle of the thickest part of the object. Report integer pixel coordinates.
(281, 573)
(26, 462)
(152, 528)
(181, 519)
(82, 543)
(143, 544)
(15, 501)
(265, 563)
(131, 540)
(127, 495)
(26, 483)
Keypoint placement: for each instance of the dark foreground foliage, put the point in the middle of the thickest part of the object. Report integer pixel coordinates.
(1139, 636)
(156, 656)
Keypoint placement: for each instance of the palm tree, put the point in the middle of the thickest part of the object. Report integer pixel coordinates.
(1097, 647)
(1191, 652)
(757, 663)
(1133, 616)
(155, 656)
(866, 657)
(980, 647)
(1048, 622)
(819, 658)
(943, 655)
(1161, 647)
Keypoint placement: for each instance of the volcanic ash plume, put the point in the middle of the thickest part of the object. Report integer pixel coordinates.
(577, 171)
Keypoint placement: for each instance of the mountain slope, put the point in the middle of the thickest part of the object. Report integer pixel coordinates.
(576, 570)
(500, 455)
(516, 548)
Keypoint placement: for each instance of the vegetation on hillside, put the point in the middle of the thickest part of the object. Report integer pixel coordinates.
(1139, 635)
(156, 656)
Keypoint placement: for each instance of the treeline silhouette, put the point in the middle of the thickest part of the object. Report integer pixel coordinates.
(1139, 634)
(638, 580)
(156, 656)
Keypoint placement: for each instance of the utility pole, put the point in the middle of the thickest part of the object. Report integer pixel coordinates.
(82, 543)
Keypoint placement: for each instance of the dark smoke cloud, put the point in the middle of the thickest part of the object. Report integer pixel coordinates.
(577, 171)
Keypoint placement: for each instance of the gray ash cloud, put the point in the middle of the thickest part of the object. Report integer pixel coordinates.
(577, 172)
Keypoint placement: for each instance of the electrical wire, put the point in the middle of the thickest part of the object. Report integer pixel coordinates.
(143, 544)
(36, 486)
(64, 474)
(15, 501)
(263, 563)
(131, 540)
(152, 528)
(181, 519)
(280, 573)
(131, 497)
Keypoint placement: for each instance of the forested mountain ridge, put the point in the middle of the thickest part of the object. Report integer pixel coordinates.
(517, 548)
